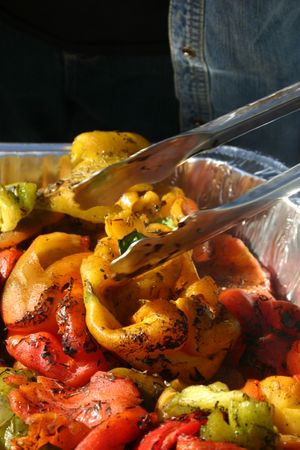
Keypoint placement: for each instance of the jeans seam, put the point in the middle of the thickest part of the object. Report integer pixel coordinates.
(199, 72)
(191, 76)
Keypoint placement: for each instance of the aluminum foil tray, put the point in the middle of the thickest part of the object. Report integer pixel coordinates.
(211, 178)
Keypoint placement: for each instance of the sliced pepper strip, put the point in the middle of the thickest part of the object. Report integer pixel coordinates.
(165, 436)
(76, 340)
(117, 431)
(186, 442)
(103, 396)
(8, 259)
(43, 353)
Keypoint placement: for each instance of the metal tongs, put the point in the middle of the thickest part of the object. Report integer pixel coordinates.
(205, 224)
(157, 162)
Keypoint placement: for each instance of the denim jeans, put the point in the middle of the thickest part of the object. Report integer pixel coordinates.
(227, 53)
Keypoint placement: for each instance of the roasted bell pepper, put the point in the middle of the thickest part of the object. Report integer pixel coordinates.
(11, 426)
(259, 313)
(29, 227)
(293, 360)
(90, 152)
(150, 386)
(157, 323)
(166, 320)
(165, 436)
(231, 264)
(142, 212)
(283, 393)
(8, 259)
(98, 149)
(104, 411)
(232, 415)
(75, 338)
(102, 397)
(124, 312)
(185, 442)
(34, 284)
(43, 353)
(16, 201)
(117, 431)
(50, 430)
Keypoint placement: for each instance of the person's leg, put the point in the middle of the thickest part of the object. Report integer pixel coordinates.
(238, 51)
(252, 50)
(186, 32)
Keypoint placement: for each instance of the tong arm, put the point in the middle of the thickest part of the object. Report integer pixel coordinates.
(205, 224)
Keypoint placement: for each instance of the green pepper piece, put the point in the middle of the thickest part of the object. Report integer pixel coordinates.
(16, 201)
(11, 426)
(125, 243)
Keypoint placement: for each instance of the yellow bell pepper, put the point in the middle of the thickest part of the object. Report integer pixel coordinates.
(33, 285)
(150, 323)
(103, 148)
(283, 393)
(135, 318)
(167, 320)
(90, 152)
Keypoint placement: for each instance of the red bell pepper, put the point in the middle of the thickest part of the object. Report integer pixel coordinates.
(117, 430)
(165, 436)
(42, 352)
(260, 315)
(8, 259)
(293, 360)
(104, 396)
(194, 443)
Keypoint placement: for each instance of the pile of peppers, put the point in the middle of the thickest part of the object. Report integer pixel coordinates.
(197, 353)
